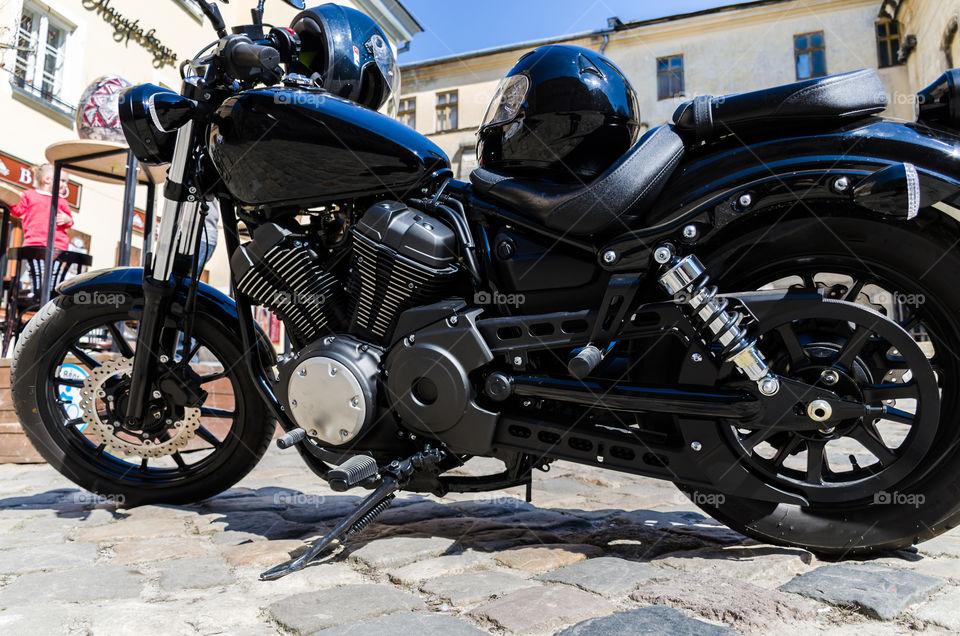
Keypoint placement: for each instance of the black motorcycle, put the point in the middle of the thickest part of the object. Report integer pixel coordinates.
(757, 302)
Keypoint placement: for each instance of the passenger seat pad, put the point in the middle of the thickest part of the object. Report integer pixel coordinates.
(824, 99)
(614, 199)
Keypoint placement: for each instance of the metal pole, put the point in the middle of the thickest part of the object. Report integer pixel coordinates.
(148, 224)
(129, 197)
(51, 234)
(4, 239)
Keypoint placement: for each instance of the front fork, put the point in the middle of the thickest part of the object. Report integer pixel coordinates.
(178, 237)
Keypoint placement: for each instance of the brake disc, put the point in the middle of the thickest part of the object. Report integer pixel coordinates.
(180, 431)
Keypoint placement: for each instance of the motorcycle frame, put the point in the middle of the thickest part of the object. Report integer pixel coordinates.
(706, 192)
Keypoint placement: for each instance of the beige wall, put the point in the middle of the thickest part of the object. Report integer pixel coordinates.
(725, 52)
(928, 20)
(27, 129)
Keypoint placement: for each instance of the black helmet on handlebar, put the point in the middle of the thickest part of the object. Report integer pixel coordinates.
(350, 52)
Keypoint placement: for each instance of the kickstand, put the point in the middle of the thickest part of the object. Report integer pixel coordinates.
(375, 503)
(393, 477)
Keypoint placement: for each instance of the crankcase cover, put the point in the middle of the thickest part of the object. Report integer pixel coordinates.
(331, 389)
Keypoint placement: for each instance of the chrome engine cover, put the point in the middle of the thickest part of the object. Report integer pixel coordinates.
(331, 388)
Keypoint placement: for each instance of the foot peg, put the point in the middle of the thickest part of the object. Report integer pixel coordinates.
(583, 364)
(294, 437)
(352, 472)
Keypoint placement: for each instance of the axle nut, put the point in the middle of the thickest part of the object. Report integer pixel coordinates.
(819, 411)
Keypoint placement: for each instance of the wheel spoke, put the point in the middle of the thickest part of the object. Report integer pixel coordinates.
(85, 357)
(77, 384)
(853, 346)
(177, 457)
(816, 450)
(143, 464)
(212, 412)
(193, 352)
(808, 281)
(753, 438)
(119, 341)
(854, 291)
(786, 450)
(890, 391)
(797, 355)
(208, 437)
(871, 440)
(77, 421)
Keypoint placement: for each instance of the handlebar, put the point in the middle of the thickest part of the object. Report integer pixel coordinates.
(247, 60)
(244, 55)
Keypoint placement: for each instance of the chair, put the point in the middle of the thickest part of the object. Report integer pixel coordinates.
(22, 299)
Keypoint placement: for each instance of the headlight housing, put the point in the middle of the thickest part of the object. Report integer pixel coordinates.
(150, 116)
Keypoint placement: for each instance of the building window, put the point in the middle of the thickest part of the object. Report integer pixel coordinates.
(447, 111)
(670, 77)
(407, 113)
(811, 55)
(41, 52)
(888, 43)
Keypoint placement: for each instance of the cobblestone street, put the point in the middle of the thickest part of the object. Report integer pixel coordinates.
(595, 553)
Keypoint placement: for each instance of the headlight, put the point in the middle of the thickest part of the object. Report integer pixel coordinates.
(150, 116)
(506, 103)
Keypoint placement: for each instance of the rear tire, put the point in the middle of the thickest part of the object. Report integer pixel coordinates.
(917, 257)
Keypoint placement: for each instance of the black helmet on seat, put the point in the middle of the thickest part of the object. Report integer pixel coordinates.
(563, 112)
(350, 52)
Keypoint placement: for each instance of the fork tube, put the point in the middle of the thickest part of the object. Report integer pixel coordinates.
(178, 206)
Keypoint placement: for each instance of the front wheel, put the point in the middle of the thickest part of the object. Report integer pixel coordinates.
(868, 489)
(70, 379)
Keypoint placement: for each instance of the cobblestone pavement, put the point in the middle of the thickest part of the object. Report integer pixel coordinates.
(596, 553)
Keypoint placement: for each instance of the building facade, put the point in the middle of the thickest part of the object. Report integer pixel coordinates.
(51, 50)
(730, 49)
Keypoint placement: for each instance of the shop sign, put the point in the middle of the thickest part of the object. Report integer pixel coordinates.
(20, 173)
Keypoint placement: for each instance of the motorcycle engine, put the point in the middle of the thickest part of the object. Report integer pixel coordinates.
(401, 258)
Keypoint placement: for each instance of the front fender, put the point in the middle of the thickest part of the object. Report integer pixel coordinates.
(707, 190)
(129, 280)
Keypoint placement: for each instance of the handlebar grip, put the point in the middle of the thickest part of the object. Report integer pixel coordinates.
(245, 55)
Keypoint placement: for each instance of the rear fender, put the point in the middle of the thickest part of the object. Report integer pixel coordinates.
(888, 168)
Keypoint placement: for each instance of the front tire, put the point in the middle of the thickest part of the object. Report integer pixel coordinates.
(917, 257)
(70, 338)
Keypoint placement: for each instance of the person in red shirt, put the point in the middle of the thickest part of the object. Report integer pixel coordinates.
(34, 209)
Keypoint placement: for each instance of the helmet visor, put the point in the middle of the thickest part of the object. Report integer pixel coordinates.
(386, 61)
(506, 103)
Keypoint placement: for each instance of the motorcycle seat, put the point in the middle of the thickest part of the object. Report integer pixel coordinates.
(831, 99)
(614, 199)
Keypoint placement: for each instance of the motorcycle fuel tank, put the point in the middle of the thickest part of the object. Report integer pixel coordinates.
(294, 146)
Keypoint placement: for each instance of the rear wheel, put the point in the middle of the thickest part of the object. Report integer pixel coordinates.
(70, 380)
(880, 483)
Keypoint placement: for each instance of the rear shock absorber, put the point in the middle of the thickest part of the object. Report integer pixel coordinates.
(686, 280)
